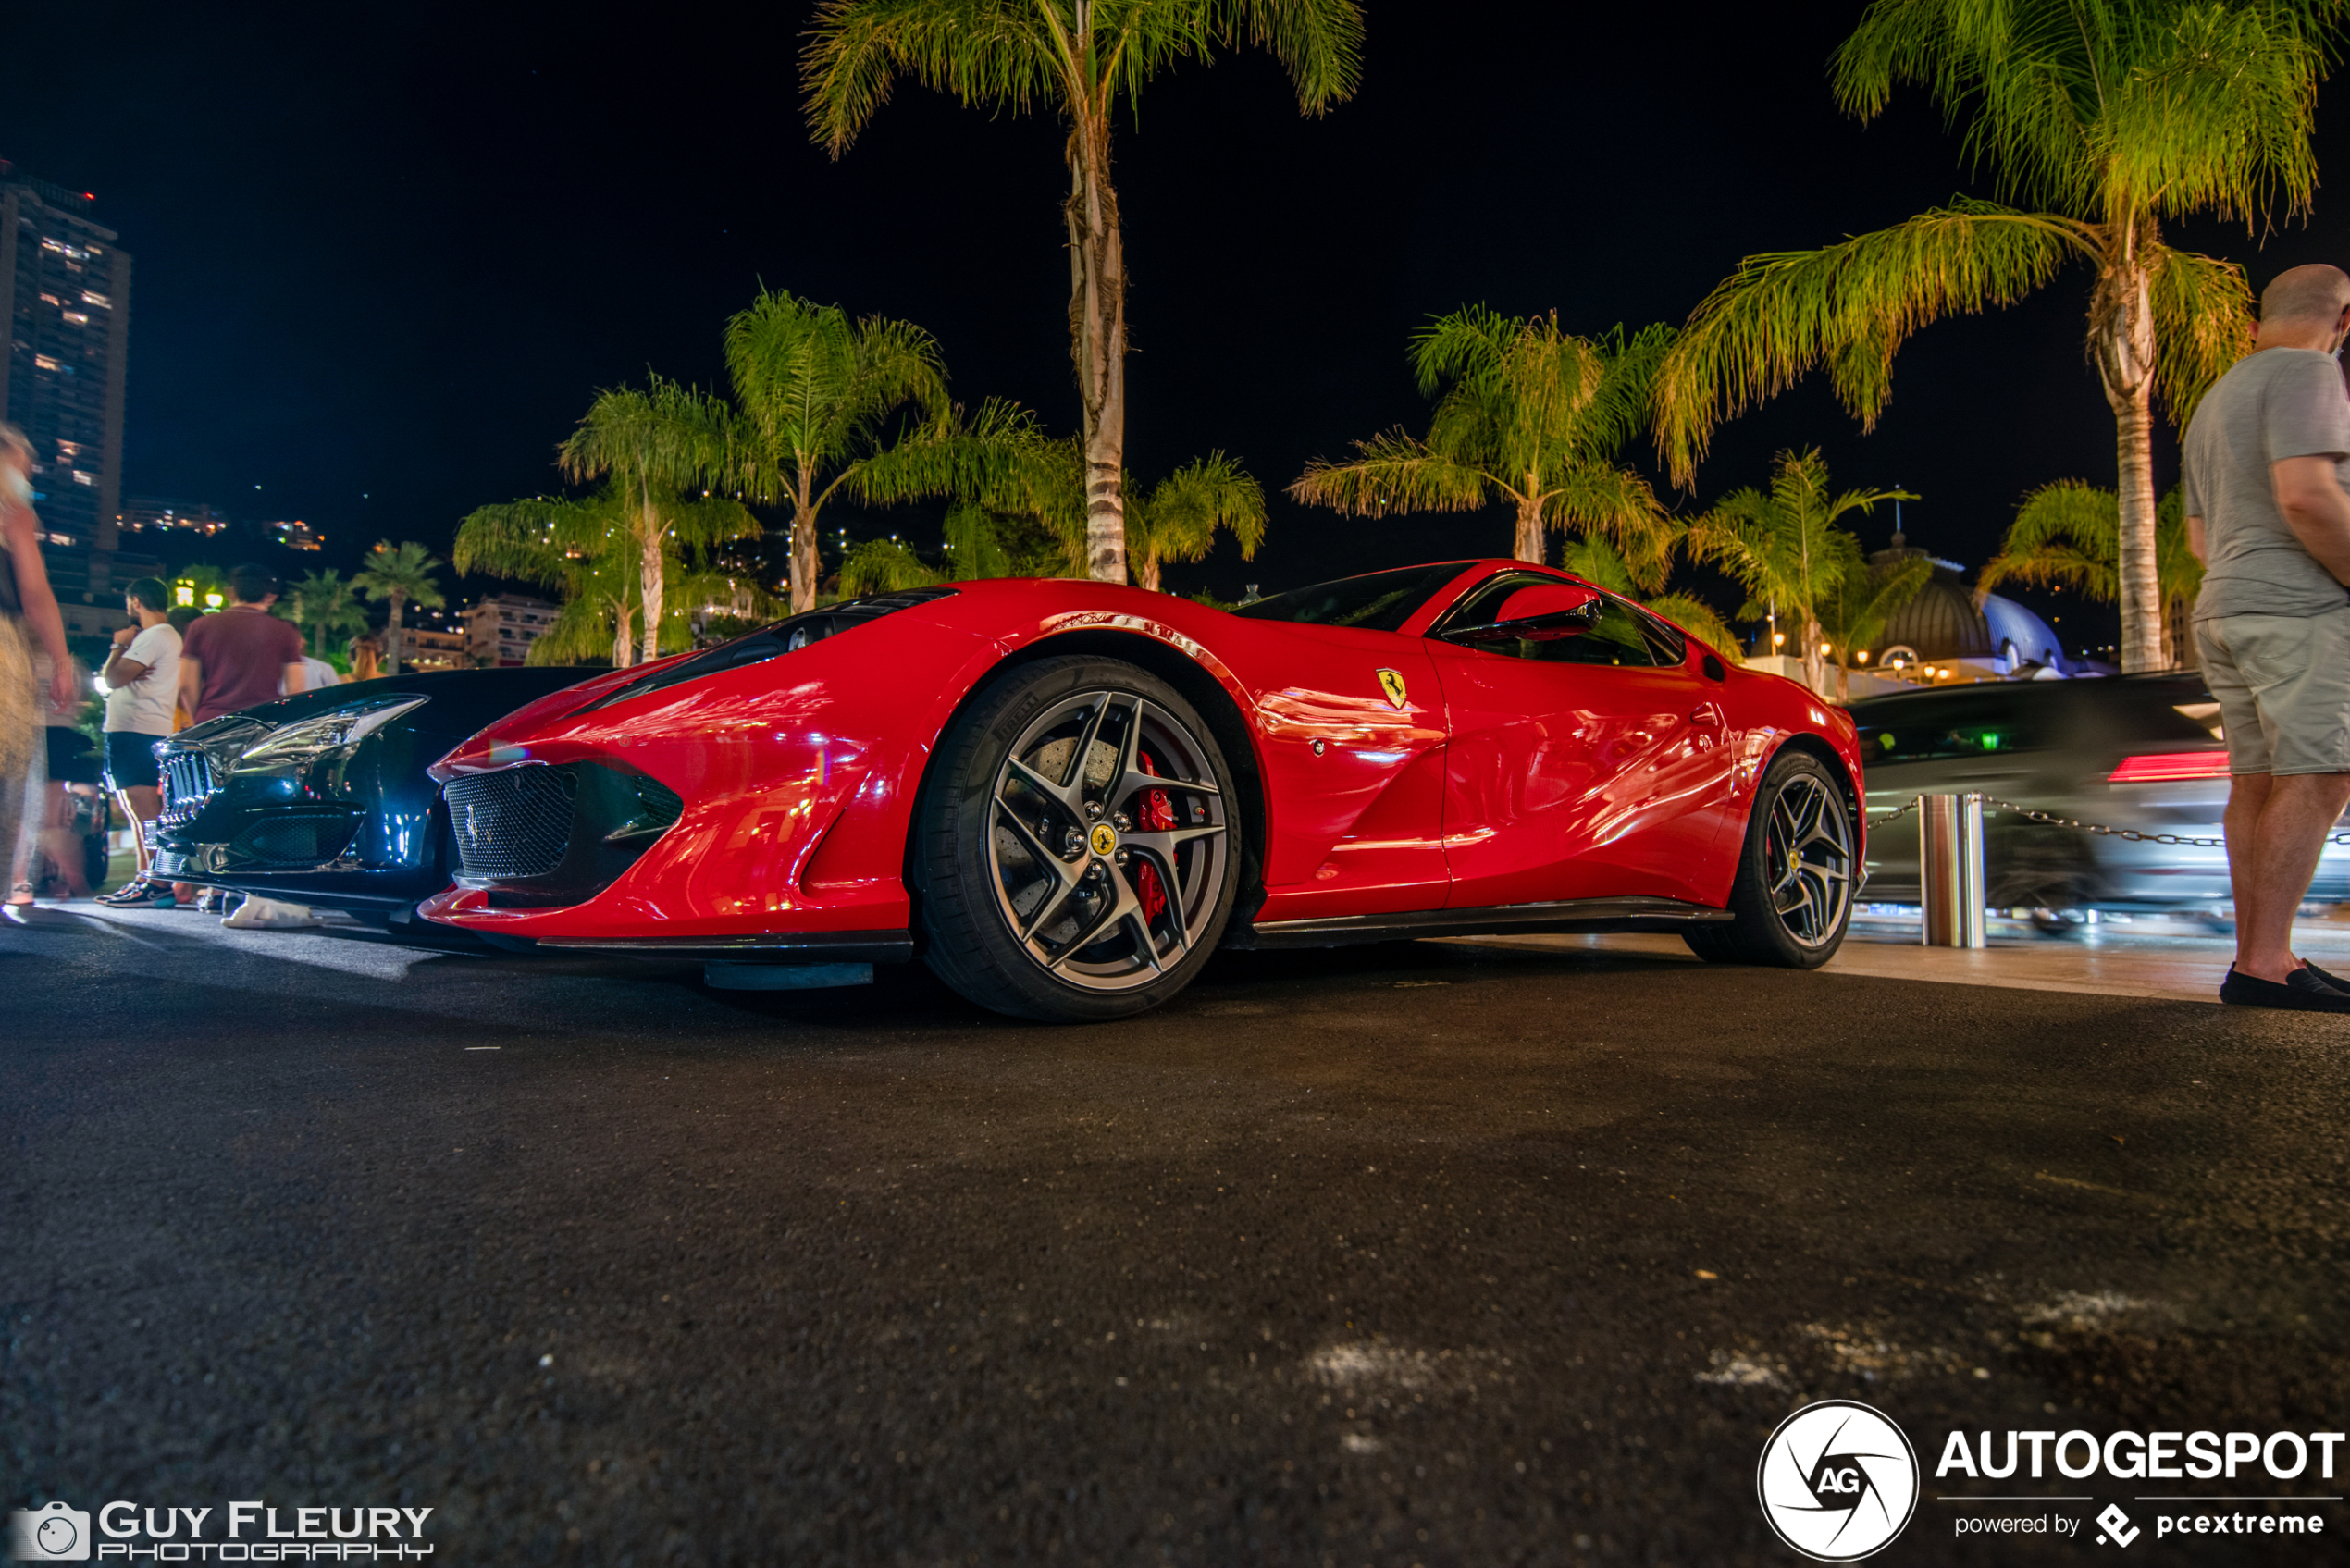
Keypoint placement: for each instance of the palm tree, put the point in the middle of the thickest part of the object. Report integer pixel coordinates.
(1530, 415)
(815, 391)
(1596, 561)
(323, 607)
(2066, 536)
(587, 551)
(660, 444)
(399, 576)
(1084, 56)
(2108, 116)
(581, 549)
(1783, 545)
(1177, 520)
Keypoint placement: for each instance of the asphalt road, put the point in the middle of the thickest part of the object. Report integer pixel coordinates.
(1417, 1254)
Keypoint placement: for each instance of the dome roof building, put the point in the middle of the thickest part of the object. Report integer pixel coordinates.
(1944, 623)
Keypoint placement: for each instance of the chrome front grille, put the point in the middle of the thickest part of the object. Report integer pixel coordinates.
(188, 783)
(515, 822)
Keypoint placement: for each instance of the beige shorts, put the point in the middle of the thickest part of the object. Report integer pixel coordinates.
(2282, 683)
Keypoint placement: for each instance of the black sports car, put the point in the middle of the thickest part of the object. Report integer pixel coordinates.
(323, 799)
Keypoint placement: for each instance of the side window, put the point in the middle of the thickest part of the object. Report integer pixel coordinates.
(1624, 634)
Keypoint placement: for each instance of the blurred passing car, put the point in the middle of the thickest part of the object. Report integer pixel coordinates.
(2141, 752)
(323, 799)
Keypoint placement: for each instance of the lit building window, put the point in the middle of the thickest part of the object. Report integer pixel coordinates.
(44, 362)
(78, 317)
(51, 299)
(83, 476)
(99, 300)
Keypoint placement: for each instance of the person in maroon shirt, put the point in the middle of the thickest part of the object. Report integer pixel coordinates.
(236, 659)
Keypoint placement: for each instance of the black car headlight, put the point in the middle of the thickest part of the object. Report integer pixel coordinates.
(306, 740)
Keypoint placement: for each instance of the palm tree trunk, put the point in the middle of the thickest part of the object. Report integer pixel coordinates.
(648, 532)
(1529, 523)
(807, 567)
(2122, 338)
(1097, 340)
(624, 641)
(1815, 671)
(1146, 572)
(391, 631)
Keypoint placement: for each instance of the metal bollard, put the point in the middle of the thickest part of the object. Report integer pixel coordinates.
(1951, 867)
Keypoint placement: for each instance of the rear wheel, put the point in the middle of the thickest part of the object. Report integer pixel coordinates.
(1793, 895)
(1074, 844)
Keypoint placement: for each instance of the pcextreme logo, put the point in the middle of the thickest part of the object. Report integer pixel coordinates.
(1839, 1481)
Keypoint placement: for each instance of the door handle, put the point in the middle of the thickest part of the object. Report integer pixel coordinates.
(1708, 714)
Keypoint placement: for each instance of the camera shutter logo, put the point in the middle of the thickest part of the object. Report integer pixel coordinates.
(54, 1533)
(1839, 1481)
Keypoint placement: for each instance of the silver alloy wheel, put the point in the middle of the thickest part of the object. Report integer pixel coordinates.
(1807, 860)
(1105, 794)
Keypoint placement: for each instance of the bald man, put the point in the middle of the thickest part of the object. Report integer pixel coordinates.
(2266, 461)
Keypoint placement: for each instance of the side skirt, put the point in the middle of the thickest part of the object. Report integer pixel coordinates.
(807, 947)
(1566, 915)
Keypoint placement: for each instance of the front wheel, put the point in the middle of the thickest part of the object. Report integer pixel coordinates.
(1074, 844)
(1793, 895)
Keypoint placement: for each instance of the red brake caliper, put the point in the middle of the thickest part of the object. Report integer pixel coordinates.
(1157, 814)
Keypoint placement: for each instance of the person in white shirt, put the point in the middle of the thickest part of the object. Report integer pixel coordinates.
(142, 677)
(316, 674)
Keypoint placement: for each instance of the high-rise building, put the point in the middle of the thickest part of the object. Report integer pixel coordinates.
(67, 287)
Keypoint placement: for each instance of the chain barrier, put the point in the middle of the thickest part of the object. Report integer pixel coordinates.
(1993, 802)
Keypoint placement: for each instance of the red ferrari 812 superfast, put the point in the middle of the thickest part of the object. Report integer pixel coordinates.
(1063, 795)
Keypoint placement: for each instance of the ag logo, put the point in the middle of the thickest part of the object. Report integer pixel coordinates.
(1391, 683)
(1839, 1481)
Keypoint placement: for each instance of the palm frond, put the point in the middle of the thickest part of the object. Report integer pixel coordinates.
(2112, 110)
(2066, 534)
(974, 544)
(404, 570)
(1701, 620)
(1182, 514)
(882, 566)
(2202, 323)
(1601, 500)
(985, 54)
(1393, 474)
(1848, 307)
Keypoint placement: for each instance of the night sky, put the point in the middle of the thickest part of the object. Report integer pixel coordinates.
(384, 261)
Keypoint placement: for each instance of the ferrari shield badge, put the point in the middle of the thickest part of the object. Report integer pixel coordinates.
(1391, 683)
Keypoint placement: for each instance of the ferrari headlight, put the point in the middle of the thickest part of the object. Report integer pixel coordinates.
(306, 740)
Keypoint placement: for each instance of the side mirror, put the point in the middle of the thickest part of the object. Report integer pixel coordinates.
(1544, 612)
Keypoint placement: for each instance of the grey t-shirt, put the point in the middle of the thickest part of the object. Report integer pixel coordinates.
(2271, 405)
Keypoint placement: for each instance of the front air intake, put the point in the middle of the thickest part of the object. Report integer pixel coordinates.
(513, 823)
(540, 835)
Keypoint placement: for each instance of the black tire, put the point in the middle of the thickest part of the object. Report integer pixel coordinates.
(1044, 810)
(1794, 917)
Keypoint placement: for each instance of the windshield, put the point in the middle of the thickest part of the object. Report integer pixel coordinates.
(1379, 601)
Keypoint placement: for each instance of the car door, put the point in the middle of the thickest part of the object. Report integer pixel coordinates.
(1587, 766)
(1353, 751)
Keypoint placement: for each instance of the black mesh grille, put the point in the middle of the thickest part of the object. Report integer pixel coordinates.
(515, 822)
(187, 783)
(287, 839)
